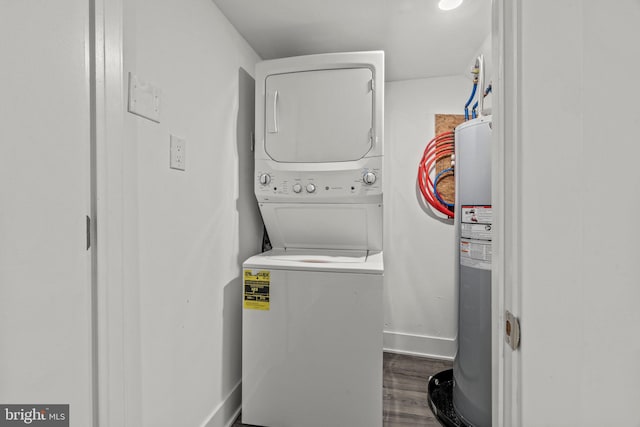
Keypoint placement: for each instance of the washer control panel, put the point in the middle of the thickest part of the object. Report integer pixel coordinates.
(310, 186)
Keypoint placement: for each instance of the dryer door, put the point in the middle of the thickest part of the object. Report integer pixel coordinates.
(319, 116)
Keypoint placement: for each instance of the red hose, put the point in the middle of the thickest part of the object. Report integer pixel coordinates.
(439, 147)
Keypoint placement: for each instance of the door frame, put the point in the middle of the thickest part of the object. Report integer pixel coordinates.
(506, 184)
(108, 103)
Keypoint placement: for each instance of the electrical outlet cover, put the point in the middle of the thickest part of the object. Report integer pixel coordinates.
(177, 153)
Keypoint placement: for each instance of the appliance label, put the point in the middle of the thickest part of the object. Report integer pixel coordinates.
(476, 214)
(476, 231)
(475, 236)
(256, 290)
(476, 254)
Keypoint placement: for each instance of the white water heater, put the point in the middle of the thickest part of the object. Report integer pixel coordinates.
(473, 222)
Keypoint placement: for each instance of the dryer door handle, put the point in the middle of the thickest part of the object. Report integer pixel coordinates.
(272, 116)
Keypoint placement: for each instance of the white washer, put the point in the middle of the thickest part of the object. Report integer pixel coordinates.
(312, 307)
(314, 358)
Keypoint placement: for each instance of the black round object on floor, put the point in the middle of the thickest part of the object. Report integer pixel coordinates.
(440, 398)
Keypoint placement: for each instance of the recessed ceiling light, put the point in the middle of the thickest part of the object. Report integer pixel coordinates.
(449, 4)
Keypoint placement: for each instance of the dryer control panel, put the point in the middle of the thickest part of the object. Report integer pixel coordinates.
(363, 185)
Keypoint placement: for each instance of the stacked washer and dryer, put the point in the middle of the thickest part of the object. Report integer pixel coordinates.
(312, 306)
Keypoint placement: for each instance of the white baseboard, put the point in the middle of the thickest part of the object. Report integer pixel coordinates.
(227, 411)
(419, 345)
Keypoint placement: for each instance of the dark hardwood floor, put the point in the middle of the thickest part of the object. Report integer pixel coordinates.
(405, 390)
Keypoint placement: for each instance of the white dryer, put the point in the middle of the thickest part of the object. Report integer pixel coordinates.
(312, 307)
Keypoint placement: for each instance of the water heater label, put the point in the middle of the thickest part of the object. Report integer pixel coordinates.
(256, 289)
(475, 254)
(475, 236)
(476, 214)
(476, 231)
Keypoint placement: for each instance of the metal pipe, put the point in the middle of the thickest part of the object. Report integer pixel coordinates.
(481, 83)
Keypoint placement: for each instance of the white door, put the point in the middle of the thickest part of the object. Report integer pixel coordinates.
(570, 203)
(45, 267)
(319, 116)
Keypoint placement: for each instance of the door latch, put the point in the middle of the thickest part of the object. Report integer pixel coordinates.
(88, 230)
(511, 330)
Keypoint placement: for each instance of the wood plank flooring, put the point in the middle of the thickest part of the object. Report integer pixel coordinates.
(405, 390)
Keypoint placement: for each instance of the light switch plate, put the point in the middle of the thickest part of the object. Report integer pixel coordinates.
(144, 99)
(177, 153)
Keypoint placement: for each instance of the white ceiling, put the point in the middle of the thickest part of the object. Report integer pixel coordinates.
(419, 39)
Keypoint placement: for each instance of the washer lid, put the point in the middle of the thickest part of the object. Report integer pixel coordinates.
(318, 260)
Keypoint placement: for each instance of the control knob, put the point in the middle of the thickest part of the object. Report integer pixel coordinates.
(369, 178)
(265, 179)
(297, 188)
(311, 188)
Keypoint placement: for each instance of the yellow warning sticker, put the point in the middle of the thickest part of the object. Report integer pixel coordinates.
(256, 289)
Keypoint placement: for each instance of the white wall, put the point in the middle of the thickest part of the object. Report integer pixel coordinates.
(420, 297)
(194, 228)
(577, 200)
